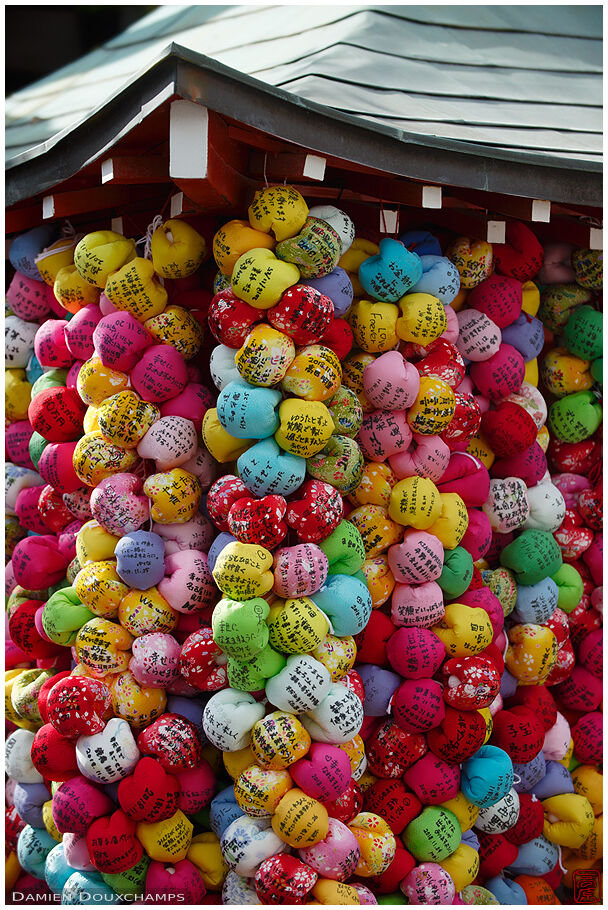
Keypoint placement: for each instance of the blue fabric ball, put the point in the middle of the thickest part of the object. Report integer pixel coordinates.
(440, 277)
(140, 559)
(537, 857)
(337, 286)
(557, 780)
(530, 773)
(536, 603)
(506, 891)
(526, 334)
(422, 242)
(56, 869)
(223, 810)
(380, 685)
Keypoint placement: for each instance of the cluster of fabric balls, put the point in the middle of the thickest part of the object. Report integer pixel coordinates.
(304, 574)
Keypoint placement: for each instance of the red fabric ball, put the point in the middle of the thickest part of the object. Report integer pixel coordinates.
(521, 256)
(539, 700)
(54, 755)
(302, 313)
(499, 297)
(372, 641)
(221, 497)
(346, 806)
(391, 750)
(173, 740)
(23, 632)
(339, 337)
(458, 736)
(393, 802)
(530, 822)
(112, 844)
(314, 511)
(231, 319)
(150, 794)
(519, 733)
(495, 854)
(388, 881)
(283, 879)
(509, 429)
(57, 414)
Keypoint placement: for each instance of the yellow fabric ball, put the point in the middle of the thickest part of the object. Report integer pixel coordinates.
(136, 289)
(177, 249)
(280, 210)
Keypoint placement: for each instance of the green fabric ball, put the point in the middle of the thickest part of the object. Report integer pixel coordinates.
(570, 586)
(575, 417)
(239, 628)
(433, 835)
(130, 882)
(49, 380)
(597, 369)
(396, 898)
(344, 549)
(583, 333)
(457, 572)
(36, 447)
(63, 616)
(254, 674)
(532, 556)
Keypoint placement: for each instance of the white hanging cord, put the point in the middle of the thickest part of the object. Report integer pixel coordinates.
(265, 177)
(68, 229)
(156, 223)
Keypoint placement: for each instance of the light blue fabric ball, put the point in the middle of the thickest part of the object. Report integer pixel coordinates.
(487, 776)
(346, 602)
(391, 273)
(536, 603)
(248, 412)
(265, 468)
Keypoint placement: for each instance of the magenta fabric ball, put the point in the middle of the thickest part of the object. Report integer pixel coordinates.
(181, 878)
(499, 297)
(192, 403)
(530, 466)
(323, 774)
(433, 780)
(418, 705)
(16, 442)
(56, 467)
(501, 375)
(119, 338)
(38, 562)
(77, 803)
(478, 535)
(160, 374)
(415, 653)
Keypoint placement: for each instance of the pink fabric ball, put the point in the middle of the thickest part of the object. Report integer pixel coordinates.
(79, 332)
